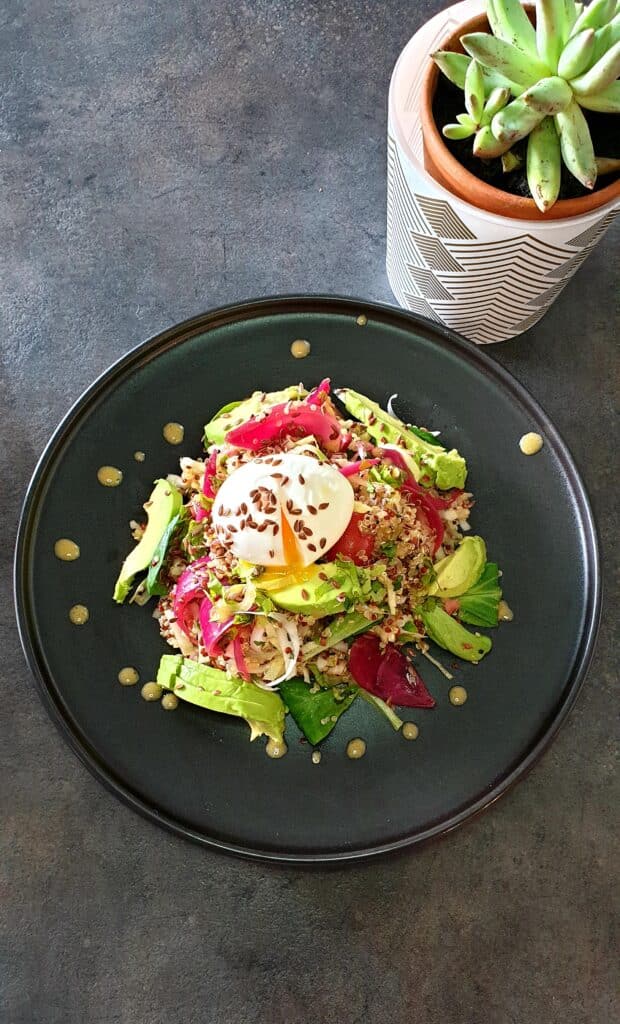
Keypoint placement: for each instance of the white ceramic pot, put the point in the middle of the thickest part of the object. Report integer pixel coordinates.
(486, 276)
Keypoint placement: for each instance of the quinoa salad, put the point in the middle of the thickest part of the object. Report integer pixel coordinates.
(306, 561)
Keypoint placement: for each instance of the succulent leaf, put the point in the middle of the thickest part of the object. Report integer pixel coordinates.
(510, 162)
(544, 164)
(575, 56)
(515, 121)
(457, 131)
(504, 57)
(550, 31)
(605, 37)
(509, 22)
(549, 95)
(608, 165)
(576, 144)
(605, 102)
(453, 65)
(594, 15)
(486, 146)
(600, 75)
(474, 91)
(498, 98)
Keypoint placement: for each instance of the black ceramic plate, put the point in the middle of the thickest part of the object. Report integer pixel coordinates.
(195, 772)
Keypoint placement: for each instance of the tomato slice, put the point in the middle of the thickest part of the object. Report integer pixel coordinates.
(354, 544)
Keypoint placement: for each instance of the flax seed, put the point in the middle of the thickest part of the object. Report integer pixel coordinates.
(322, 542)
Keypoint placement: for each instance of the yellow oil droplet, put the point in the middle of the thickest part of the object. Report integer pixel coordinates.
(169, 702)
(410, 731)
(128, 676)
(276, 749)
(361, 320)
(139, 456)
(356, 749)
(109, 476)
(174, 433)
(79, 614)
(300, 348)
(67, 550)
(316, 757)
(457, 695)
(530, 444)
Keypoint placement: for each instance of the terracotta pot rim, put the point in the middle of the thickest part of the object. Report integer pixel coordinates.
(456, 179)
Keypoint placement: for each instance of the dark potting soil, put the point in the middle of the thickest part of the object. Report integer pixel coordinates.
(604, 129)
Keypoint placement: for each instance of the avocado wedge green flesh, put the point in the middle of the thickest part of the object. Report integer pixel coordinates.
(316, 594)
(344, 628)
(212, 689)
(163, 505)
(446, 469)
(236, 413)
(449, 634)
(457, 572)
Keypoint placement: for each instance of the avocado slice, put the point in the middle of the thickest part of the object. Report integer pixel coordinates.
(446, 469)
(315, 592)
(236, 413)
(163, 505)
(457, 572)
(450, 635)
(211, 688)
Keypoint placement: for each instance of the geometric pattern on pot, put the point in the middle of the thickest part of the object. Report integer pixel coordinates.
(487, 290)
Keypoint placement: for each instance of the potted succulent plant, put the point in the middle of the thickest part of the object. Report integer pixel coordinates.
(518, 127)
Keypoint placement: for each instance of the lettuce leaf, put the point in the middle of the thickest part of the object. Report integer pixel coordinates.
(480, 604)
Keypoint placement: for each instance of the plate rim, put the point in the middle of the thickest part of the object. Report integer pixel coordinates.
(326, 304)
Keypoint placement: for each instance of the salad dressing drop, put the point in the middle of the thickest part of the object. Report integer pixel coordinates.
(66, 550)
(79, 614)
(531, 443)
(457, 695)
(275, 749)
(109, 476)
(356, 749)
(174, 433)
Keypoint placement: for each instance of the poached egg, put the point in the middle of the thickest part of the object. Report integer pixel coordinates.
(282, 510)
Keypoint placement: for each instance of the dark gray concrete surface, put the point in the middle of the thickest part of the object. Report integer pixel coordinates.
(159, 158)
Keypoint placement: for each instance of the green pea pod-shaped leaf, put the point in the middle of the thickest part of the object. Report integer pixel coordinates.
(550, 31)
(505, 58)
(600, 75)
(595, 15)
(467, 121)
(474, 91)
(604, 39)
(497, 99)
(515, 121)
(608, 165)
(493, 80)
(486, 146)
(575, 56)
(457, 131)
(453, 65)
(576, 144)
(606, 102)
(550, 95)
(510, 23)
(544, 164)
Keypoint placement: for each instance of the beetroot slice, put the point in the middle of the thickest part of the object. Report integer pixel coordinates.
(364, 660)
(399, 683)
(388, 674)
